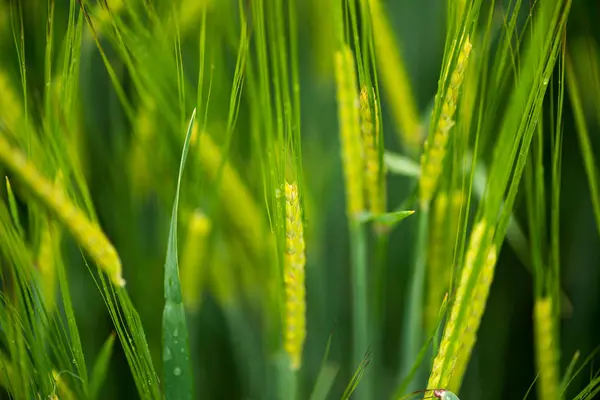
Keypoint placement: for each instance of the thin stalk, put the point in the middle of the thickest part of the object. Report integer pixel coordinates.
(379, 297)
(361, 326)
(414, 306)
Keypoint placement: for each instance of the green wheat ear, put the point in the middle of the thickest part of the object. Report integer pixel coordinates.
(294, 277)
(350, 136)
(432, 158)
(87, 233)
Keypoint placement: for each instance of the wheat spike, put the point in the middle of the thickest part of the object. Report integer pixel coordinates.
(452, 332)
(294, 277)
(435, 147)
(475, 311)
(349, 119)
(371, 137)
(87, 234)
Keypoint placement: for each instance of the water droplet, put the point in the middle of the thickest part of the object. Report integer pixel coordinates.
(177, 371)
(176, 332)
(545, 81)
(73, 361)
(167, 354)
(181, 350)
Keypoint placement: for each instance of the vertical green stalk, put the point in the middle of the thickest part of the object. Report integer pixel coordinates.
(411, 342)
(361, 324)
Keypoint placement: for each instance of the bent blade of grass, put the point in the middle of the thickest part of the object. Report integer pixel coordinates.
(177, 368)
(358, 375)
(325, 381)
(327, 373)
(101, 367)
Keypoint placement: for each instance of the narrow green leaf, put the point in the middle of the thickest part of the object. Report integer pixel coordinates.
(390, 219)
(326, 372)
(177, 367)
(358, 375)
(325, 381)
(101, 367)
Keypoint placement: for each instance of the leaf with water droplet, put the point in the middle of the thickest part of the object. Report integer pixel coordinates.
(177, 370)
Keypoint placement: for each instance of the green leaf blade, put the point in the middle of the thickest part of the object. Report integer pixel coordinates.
(177, 366)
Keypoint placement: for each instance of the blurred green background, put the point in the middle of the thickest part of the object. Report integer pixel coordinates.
(134, 210)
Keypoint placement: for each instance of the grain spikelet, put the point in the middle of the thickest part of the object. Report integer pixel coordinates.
(475, 311)
(349, 120)
(371, 137)
(294, 277)
(439, 377)
(435, 147)
(86, 233)
(192, 269)
(547, 355)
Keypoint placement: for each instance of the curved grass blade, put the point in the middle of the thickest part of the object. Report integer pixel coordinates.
(101, 367)
(358, 375)
(327, 374)
(177, 367)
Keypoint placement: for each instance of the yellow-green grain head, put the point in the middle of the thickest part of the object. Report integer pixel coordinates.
(294, 277)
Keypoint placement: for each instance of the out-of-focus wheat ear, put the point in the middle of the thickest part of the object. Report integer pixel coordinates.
(238, 203)
(294, 277)
(395, 79)
(349, 120)
(546, 349)
(142, 141)
(475, 311)
(432, 159)
(452, 339)
(46, 263)
(87, 233)
(193, 273)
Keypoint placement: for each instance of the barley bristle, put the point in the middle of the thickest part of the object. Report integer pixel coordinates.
(435, 147)
(194, 251)
(86, 233)
(349, 119)
(547, 356)
(294, 278)
(371, 139)
(452, 332)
